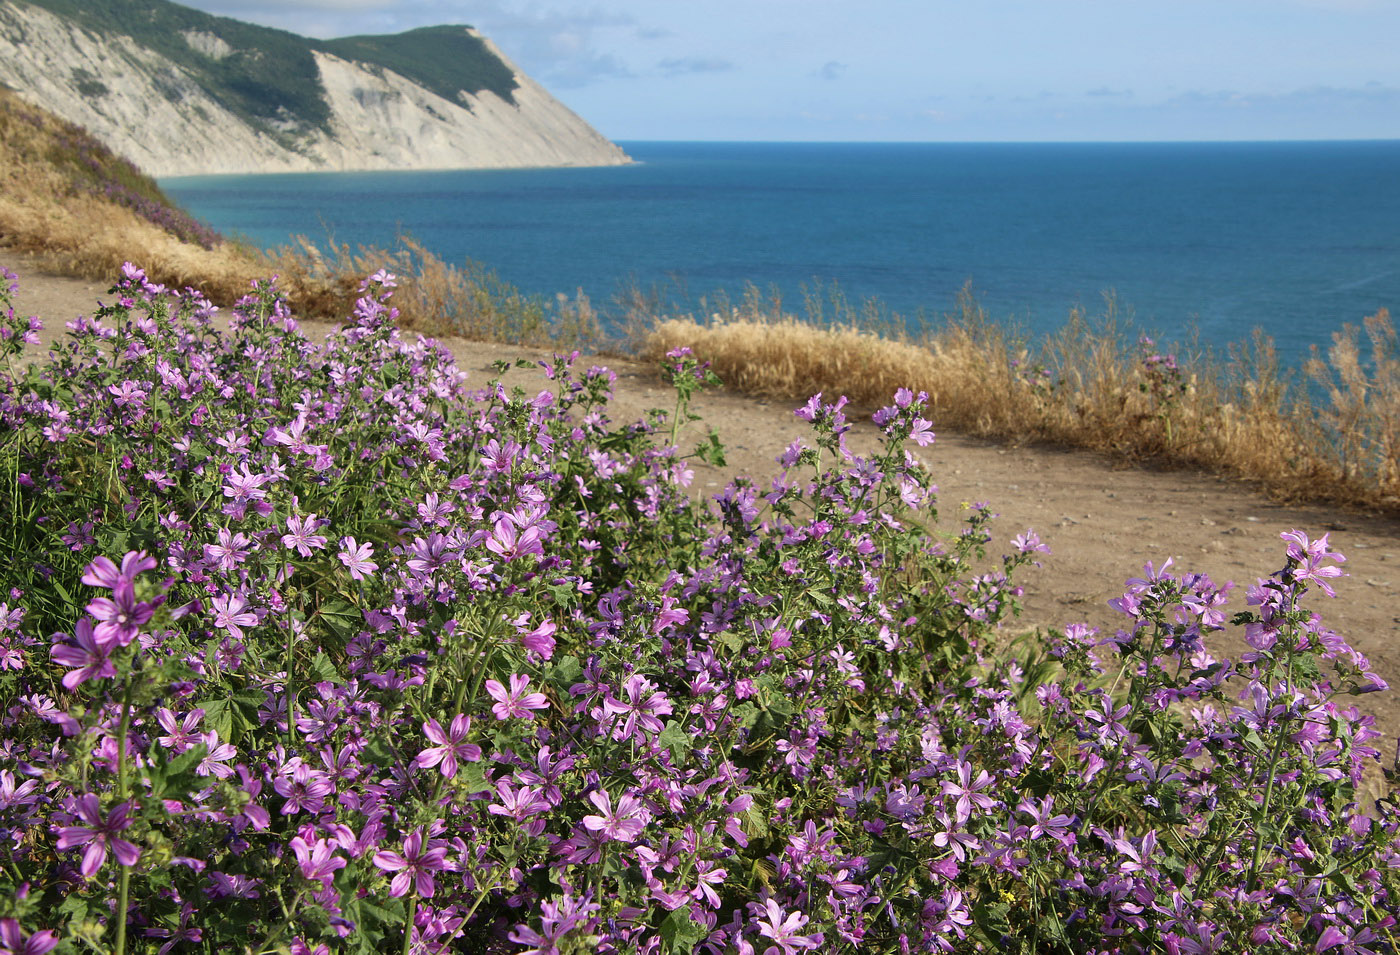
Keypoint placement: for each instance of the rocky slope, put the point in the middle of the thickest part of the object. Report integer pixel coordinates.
(183, 93)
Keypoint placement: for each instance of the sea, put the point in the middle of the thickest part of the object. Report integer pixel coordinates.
(1193, 241)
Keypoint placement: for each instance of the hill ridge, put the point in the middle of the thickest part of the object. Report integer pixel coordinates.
(183, 92)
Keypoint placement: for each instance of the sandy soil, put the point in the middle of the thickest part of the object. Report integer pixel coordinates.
(1102, 521)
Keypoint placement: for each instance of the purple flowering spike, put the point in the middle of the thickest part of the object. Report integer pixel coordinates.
(99, 834)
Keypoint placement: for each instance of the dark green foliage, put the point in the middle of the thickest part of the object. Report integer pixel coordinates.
(444, 60)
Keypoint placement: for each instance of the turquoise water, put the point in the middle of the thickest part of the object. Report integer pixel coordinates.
(1295, 238)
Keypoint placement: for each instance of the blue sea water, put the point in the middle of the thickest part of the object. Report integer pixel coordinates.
(1294, 238)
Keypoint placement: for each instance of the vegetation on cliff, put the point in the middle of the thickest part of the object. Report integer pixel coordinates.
(268, 77)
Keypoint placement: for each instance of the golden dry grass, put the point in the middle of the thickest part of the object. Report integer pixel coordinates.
(1087, 388)
(44, 210)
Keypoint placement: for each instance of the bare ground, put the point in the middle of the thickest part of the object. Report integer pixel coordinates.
(1102, 521)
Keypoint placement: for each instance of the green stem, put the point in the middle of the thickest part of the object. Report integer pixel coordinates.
(123, 887)
(1269, 783)
(291, 673)
(124, 879)
(408, 924)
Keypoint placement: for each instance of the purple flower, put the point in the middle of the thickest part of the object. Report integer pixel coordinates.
(230, 615)
(1307, 556)
(515, 702)
(103, 573)
(92, 657)
(99, 833)
(318, 860)
(966, 791)
(921, 432)
(783, 930)
(451, 747)
(625, 823)
(121, 616)
(231, 550)
(415, 866)
(305, 789)
(643, 703)
(509, 540)
(357, 557)
(13, 941)
(299, 536)
(216, 758)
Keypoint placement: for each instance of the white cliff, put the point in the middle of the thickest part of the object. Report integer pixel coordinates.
(156, 114)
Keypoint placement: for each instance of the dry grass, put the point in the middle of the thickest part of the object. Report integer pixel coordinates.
(47, 207)
(1087, 387)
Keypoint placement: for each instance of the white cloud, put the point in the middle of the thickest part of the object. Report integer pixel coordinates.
(677, 66)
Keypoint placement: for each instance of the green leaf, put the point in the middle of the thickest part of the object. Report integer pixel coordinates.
(174, 776)
(565, 673)
(472, 777)
(218, 716)
(679, 933)
(677, 740)
(323, 670)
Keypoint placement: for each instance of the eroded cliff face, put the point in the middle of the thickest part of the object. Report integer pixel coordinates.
(156, 114)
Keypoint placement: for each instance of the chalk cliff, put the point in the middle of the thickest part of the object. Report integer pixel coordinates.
(179, 92)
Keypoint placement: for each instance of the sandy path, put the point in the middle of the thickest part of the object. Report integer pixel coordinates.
(1102, 521)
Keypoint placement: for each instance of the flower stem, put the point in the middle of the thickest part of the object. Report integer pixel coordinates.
(408, 924)
(124, 878)
(123, 888)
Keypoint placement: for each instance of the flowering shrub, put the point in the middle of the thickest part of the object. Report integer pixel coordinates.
(314, 647)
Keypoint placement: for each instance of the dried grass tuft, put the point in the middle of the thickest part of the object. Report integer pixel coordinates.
(1087, 387)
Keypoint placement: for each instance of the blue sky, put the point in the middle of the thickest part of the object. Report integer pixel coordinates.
(927, 70)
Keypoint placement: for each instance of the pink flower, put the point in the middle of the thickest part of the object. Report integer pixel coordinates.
(300, 537)
(451, 747)
(1308, 557)
(230, 615)
(415, 866)
(625, 823)
(783, 930)
(13, 941)
(103, 573)
(356, 557)
(510, 542)
(92, 657)
(515, 702)
(644, 702)
(317, 860)
(99, 834)
(121, 617)
(217, 756)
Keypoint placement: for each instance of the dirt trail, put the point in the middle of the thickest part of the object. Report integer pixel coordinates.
(1102, 521)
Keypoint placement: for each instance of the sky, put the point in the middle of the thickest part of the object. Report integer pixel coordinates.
(926, 70)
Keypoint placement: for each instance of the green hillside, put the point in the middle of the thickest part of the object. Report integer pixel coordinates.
(270, 78)
(442, 59)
